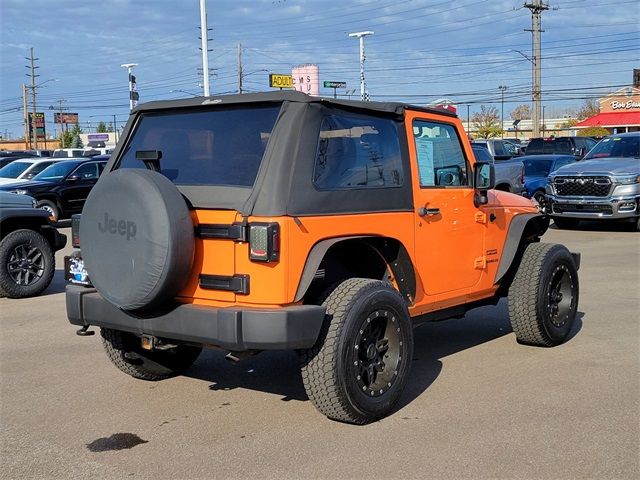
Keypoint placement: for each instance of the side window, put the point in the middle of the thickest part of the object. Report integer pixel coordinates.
(357, 152)
(509, 148)
(86, 171)
(101, 166)
(500, 149)
(38, 167)
(441, 162)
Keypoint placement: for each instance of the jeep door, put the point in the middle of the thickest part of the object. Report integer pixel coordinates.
(449, 237)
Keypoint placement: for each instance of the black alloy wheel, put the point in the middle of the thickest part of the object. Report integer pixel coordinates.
(377, 353)
(27, 264)
(560, 296)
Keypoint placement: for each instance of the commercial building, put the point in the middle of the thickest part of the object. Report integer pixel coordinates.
(619, 112)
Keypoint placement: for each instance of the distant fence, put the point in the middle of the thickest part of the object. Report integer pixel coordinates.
(19, 145)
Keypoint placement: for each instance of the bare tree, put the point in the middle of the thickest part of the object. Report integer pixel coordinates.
(589, 108)
(487, 122)
(521, 112)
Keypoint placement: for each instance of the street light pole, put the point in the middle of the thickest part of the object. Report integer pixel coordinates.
(536, 7)
(502, 89)
(364, 95)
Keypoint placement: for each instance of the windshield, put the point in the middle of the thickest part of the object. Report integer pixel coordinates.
(536, 168)
(215, 147)
(14, 169)
(57, 171)
(627, 146)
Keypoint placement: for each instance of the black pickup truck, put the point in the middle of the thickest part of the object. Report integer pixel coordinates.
(27, 245)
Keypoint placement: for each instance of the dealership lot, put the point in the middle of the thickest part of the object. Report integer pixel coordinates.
(478, 405)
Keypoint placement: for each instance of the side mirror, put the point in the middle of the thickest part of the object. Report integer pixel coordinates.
(484, 179)
(73, 178)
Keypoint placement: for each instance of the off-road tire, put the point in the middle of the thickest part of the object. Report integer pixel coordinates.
(125, 352)
(51, 207)
(329, 368)
(44, 263)
(544, 271)
(566, 223)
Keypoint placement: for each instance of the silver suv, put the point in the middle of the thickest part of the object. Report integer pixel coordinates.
(603, 186)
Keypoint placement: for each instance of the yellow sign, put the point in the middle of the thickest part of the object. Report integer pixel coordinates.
(280, 81)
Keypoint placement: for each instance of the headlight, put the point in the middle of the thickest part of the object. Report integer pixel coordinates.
(628, 179)
(19, 192)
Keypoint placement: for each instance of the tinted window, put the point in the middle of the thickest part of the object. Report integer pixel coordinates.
(499, 149)
(482, 154)
(38, 167)
(357, 152)
(627, 146)
(86, 171)
(216, 147)
(562, 162)
(57, 171)
(439, 153)
(14, 169)
(510, 148)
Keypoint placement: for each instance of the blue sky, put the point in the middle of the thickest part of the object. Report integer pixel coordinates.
(421, 50)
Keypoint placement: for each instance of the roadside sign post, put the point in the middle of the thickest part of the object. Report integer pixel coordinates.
(277, 80)
(335, 86)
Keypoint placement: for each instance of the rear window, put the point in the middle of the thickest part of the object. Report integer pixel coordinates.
(550, 145)
(216, 147)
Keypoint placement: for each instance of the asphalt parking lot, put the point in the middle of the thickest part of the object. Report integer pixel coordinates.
(478, 405)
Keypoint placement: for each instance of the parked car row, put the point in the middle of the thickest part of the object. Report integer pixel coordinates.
(61, 187)
(575, 178)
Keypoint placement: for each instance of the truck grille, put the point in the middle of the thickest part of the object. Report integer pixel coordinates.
(582, 186)
(573, 208)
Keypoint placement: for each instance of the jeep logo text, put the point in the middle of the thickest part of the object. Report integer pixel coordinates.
(121, 227)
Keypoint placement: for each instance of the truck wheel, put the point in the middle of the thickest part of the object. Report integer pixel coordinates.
(125, 352)
(541, 199)
(52, 208)
(358, 368)
(27, 264)
(543, 298)
(566, 223)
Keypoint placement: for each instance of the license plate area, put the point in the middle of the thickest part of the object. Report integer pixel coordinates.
(74, 271)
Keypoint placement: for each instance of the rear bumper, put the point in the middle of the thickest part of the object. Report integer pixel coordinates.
(235, 329)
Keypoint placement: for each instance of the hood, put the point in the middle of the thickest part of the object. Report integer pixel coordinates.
(25, 185)
(602, 166)
(12, 200)
(8, 181)
(506, 199)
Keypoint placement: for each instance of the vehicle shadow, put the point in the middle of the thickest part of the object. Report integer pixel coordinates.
(57, 285)
(599, 226)
(278, 372)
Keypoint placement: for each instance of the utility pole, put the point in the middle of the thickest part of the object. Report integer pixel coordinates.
(115, 129)
(502, 89)
(536, 7)
(33, 76)
(468, 120)
(133, 89)
(26, 116)
(239, 68)
(364, 94)
(205, 46)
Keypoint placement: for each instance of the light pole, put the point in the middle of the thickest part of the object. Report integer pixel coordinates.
(34, 135)
(364, 95)
(133, 90)
(502, 89)
(205, 46)
(543, 126)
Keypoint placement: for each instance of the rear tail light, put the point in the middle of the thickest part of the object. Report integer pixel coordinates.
(75, 230)
(264, 242)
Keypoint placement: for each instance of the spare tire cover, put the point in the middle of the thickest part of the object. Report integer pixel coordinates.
(137, 238)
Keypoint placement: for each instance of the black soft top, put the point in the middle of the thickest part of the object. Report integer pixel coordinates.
(396, 108)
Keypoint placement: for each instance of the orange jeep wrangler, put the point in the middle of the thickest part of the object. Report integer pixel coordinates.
(282, 221)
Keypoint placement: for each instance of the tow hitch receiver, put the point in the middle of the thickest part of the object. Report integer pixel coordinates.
(149, 342)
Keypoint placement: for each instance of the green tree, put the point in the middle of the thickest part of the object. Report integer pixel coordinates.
(75, 132)
(593, 132)
(65, 139)
(101, 128)
(487, 122)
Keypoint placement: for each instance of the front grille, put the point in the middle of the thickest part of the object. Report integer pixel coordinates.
(582, 186)
(573, 208)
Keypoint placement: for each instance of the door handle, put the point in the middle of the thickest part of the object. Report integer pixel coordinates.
(427, 212)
